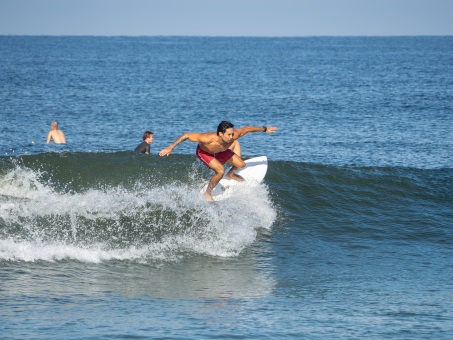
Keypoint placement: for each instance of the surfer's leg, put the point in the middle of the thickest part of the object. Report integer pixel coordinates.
(237, 163)
(236, 148)
(215, 179)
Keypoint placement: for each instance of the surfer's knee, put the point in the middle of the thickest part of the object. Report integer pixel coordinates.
(216, 166)
(237, 162)
(241, 164)
(220, 171)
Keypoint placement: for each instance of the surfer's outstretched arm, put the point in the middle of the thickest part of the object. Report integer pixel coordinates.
(192, 136)
(238, 133)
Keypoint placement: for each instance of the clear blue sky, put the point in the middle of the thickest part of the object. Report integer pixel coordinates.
(226, 17)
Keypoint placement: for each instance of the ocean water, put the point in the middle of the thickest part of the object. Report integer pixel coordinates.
(349, 236)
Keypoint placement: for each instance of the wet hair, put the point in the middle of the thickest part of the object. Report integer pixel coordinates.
(54, 123)
(223, 126)
(147, 134)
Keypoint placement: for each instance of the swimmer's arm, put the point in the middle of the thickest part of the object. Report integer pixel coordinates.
(238, 133)
(49, 135)
(192, 136)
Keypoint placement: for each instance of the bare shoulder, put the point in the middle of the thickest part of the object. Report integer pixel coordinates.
(208, 137)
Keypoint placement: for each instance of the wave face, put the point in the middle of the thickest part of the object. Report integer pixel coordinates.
(103, 206)
(364, 205)
(97, 206)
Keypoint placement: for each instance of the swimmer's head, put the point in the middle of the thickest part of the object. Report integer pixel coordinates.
(147, 134)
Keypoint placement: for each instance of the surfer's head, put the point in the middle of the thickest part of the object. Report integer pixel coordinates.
(223, 126)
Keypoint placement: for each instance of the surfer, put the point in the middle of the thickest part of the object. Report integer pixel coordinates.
(56, 134)
(214, 150)
(145, 146)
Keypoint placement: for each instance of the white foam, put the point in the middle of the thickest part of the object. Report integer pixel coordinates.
(95, 225)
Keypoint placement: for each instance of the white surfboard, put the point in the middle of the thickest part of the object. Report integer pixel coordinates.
(253, 173)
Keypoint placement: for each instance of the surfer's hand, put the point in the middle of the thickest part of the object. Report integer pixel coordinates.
(271, 129)
(165, 152)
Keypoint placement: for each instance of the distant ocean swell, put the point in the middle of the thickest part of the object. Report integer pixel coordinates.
(103, 206)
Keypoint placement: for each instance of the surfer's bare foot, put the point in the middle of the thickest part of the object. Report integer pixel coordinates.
(235, 177)
(208, 197)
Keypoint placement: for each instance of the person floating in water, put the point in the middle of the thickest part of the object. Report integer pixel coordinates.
(56, 134)
(145, 146)
(213, 149)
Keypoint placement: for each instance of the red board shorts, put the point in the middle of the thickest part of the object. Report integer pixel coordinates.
(206, 157)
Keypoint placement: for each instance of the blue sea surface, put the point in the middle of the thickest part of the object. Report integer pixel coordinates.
(349, 236)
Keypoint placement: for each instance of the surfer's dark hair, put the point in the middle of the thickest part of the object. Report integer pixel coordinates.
(223, 126)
